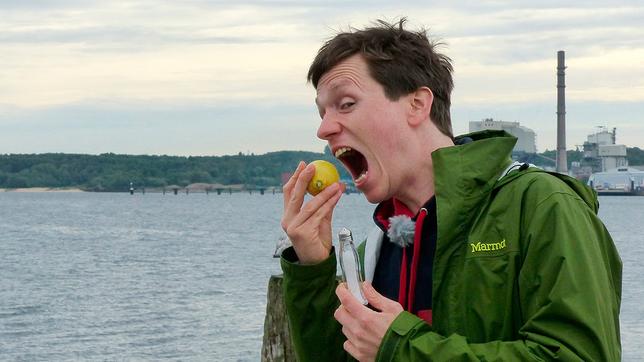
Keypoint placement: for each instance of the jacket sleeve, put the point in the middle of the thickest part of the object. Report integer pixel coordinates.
(569, 290)
(309, 294)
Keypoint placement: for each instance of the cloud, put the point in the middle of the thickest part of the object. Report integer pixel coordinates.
(92, 68)
(160, 128)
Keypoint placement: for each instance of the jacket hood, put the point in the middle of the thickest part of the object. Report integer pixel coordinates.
(467, 171)
(480, 151)
(584, 192)
(464, 175)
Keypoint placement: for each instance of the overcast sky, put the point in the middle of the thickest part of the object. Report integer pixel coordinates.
(203, 77)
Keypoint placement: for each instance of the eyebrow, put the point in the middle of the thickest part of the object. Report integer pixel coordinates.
(335, 86)
(340, 83)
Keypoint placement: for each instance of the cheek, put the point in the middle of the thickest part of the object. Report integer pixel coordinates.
(385, 133)
(389, 133)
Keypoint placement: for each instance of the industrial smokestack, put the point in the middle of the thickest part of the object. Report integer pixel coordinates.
(562, 159)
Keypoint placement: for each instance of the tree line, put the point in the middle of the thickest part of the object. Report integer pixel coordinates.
(114, 172)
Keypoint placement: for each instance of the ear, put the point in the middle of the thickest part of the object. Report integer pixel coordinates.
(420, 102)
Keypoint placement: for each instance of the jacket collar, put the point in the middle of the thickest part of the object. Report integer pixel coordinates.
(464, 176)
(387, 209)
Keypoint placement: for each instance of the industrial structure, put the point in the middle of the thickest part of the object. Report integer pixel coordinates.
(619, 181)
(601, 153)
(562, 158)
(604, 164)
(526, 138)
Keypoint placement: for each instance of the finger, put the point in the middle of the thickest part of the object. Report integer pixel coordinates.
(373, 297)
(329, 215)
(319, 207)
(351, 349)
(293, 203)
(325, 212)
(347, 333)
(378, 300)
(288, 187)
(351, 303)
(342, 316)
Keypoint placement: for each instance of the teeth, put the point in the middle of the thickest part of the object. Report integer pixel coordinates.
(361, 177)
(341, 150)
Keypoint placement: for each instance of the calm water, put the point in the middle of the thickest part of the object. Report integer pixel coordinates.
(117, 277)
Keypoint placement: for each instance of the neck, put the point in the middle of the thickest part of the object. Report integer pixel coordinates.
(418, 194)
(419, 185)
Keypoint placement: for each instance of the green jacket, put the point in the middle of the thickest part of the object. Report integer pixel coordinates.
(524, 270)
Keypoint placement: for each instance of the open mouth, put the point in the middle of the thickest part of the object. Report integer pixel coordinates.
(354, 161)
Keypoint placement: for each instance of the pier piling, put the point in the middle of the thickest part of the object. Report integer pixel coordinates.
(276, 345)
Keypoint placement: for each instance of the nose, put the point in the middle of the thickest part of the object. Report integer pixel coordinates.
(328, 127)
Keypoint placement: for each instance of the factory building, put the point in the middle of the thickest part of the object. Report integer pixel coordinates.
(602, 154)
(527, 139)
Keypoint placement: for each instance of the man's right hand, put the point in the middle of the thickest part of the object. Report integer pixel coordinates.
(309, 226)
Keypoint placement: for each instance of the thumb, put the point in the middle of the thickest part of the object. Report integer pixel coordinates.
(379, 301)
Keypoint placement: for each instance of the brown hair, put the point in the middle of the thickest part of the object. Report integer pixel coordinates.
(400, 60)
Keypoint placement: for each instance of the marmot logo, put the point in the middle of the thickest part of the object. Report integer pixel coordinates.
(487, 246)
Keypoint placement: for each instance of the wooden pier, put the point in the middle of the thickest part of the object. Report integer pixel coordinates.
(203, 188)
(276, 346)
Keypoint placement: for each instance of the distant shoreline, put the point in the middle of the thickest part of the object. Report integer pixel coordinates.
(43, 189)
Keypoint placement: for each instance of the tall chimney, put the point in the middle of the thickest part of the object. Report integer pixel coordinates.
(562, 160)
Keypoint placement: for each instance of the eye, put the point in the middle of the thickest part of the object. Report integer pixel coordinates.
(345, 105)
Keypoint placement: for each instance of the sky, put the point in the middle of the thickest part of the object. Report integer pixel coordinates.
(202, 77)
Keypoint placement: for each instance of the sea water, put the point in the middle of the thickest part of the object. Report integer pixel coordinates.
(109, 276)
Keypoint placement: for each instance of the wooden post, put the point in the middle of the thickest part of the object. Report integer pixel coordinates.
(276, 345)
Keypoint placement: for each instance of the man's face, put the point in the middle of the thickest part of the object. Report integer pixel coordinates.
(365, 130)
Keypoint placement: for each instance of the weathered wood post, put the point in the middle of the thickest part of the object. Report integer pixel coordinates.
(276, 345)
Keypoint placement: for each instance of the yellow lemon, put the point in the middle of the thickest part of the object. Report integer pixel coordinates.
(325, 175)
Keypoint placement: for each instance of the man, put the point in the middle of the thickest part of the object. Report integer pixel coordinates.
(499, 261)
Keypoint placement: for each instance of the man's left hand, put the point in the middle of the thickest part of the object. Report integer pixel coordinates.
(364, 327)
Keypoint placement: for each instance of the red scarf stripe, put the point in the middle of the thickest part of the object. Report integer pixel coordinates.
(416, 258)
(402, 292)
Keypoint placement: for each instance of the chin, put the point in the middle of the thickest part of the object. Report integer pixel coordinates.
(374, 197)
